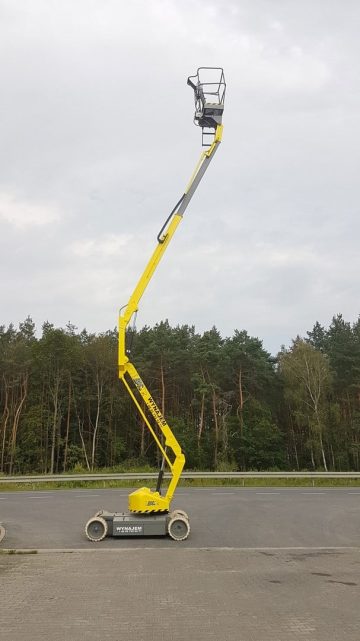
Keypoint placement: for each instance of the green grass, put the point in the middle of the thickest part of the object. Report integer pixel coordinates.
(238, 482)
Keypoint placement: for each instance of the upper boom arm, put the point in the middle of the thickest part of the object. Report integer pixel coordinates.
(144, 500)
(164, 238)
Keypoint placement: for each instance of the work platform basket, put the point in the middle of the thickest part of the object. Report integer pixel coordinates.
(209, 92)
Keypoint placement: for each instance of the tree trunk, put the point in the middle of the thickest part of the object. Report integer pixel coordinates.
(216, 428)
(201, 420)
(239, 410)
(312, 457)
(23, 394)
(111, 438)
(55, 395)
(67, 426)
(162, 381)
(332, 457)
(294, 442)
(202, 412)
(81, 434)
(4, 422)
(323, 453)
(320, 438)
(142, 433)
(99, 389)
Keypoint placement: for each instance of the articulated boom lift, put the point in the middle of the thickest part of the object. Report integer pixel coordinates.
(149, 510)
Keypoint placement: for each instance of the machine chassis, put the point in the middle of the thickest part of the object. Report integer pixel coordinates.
(126, 524)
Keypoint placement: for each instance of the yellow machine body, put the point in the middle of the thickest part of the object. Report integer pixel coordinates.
(146, 500)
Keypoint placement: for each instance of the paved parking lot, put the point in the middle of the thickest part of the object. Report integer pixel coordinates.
(181, 594)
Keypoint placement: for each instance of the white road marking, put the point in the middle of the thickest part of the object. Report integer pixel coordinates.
(353, 492)
(210, 488)
(26, 494)
(82, 496)
(266, 493)
(311, 493)
(3, 498)
(222, 493)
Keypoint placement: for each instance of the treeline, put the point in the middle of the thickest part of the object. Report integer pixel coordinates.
(230, 403)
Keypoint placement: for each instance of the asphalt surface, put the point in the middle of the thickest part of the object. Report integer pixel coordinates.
(219, 518)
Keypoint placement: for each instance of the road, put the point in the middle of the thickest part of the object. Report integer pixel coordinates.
(219, 517)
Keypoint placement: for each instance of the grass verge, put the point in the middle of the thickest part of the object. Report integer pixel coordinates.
(247, 482)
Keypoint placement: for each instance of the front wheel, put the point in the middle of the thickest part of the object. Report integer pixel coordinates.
(178, 528)
(96, 529)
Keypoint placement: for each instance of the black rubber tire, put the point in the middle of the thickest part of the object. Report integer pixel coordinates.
(2, 532)
(178, 528)
(96, 529)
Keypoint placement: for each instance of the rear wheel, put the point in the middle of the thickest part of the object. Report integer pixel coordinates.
(96, 529)
(179, 528)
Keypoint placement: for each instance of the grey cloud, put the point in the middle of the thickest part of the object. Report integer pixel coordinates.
(96, 125)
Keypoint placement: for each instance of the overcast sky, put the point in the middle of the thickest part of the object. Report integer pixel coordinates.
(97, 143)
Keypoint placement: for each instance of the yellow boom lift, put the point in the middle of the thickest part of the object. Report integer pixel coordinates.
(149, 510)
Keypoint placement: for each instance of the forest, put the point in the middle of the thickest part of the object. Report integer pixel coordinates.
(231, 404)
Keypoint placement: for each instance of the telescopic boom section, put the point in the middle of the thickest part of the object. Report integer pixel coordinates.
(145, 500)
